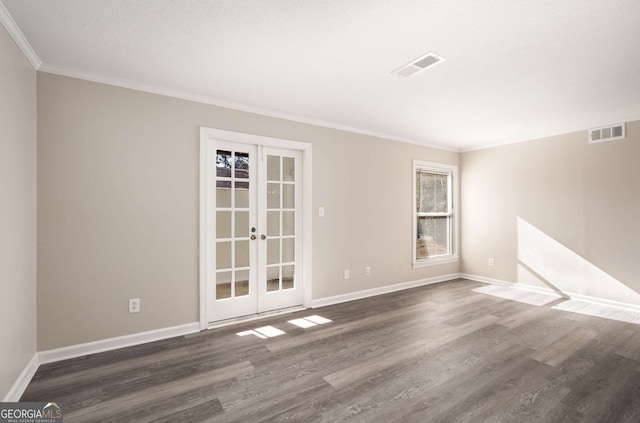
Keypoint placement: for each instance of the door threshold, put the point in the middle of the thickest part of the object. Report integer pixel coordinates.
(252, 317)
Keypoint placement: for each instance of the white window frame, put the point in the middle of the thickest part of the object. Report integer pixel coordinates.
(454, 225)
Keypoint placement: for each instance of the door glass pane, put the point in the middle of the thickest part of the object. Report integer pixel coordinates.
(223, 163)
(288, 169)
(240, 183)
(273, 223)
(288, 246)
(242, 283)
(242, 224)
(242, 194)
(223, 195)
(288, 196)
(242, 253)
(273, 196)
(288, 223)
(242, 165)
(223, 285)
(223, 224)
(223, 255)
(273, 168)
(273, 251)
(287, 277)
(433, 237)
(273, 278)
(232, 222)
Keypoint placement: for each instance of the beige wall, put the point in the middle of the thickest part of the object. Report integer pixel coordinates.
(578, 206)
(17, 212)
(118, 207)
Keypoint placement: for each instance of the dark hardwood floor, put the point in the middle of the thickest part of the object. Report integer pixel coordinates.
(440, 353)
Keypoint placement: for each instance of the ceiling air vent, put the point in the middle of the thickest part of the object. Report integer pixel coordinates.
(418, 65)
(607, 133)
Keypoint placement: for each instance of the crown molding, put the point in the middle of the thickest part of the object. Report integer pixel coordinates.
(7, 20)
(569, 132)
(190, 96)
(17, 35)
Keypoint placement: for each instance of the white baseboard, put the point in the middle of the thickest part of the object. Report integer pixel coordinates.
(569, 295)
(254, 317)
(72, 351)
(23, 380)
(532, 288)
(484, 279)
(322, 302)
(604, 302)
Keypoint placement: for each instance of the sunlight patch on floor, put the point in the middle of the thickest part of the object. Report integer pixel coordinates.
(597, 310)
(271, 332)
(309, 321)
(251, 332)
(302, 323)
(515, 294)
(263, 332)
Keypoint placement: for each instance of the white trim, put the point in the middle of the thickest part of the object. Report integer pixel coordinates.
(211, 134)
(186, 95)
(252, 317)
(203, 239)
(12, 28)
(536, 138)
(605, 302)
(72, 351)
(454, 212)
(21, 383)
(222, 135)
(484, 279)
(531, 288)
(568, 295)
(307, 225)
(337, 299)
(506, 143)
(436, 261)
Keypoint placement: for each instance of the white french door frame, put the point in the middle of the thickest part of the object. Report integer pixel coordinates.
(211, 135)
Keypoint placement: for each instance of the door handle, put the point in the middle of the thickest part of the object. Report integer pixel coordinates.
(253, 237)
(263, 237)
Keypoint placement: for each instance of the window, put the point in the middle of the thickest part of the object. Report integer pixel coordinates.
(434, 219)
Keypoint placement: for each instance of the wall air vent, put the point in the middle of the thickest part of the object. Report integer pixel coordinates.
(418, 65)
(607, 133)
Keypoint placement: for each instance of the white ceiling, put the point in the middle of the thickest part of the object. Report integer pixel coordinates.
(514, 70)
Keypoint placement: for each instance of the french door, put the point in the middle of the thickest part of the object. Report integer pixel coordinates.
(253, 224)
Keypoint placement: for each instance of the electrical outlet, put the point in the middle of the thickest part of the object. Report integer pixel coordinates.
(346, 273)
(367, 271)
(321, 211)
(134, 305)
(490, 262)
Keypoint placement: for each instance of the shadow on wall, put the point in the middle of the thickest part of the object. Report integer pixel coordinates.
(543, 261)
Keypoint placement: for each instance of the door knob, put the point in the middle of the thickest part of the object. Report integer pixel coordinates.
(253, 237)
(263, 237)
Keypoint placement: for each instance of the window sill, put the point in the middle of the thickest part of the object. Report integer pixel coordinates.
(436, 261)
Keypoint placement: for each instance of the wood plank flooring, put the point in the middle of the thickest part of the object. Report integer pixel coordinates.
(440, 353)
